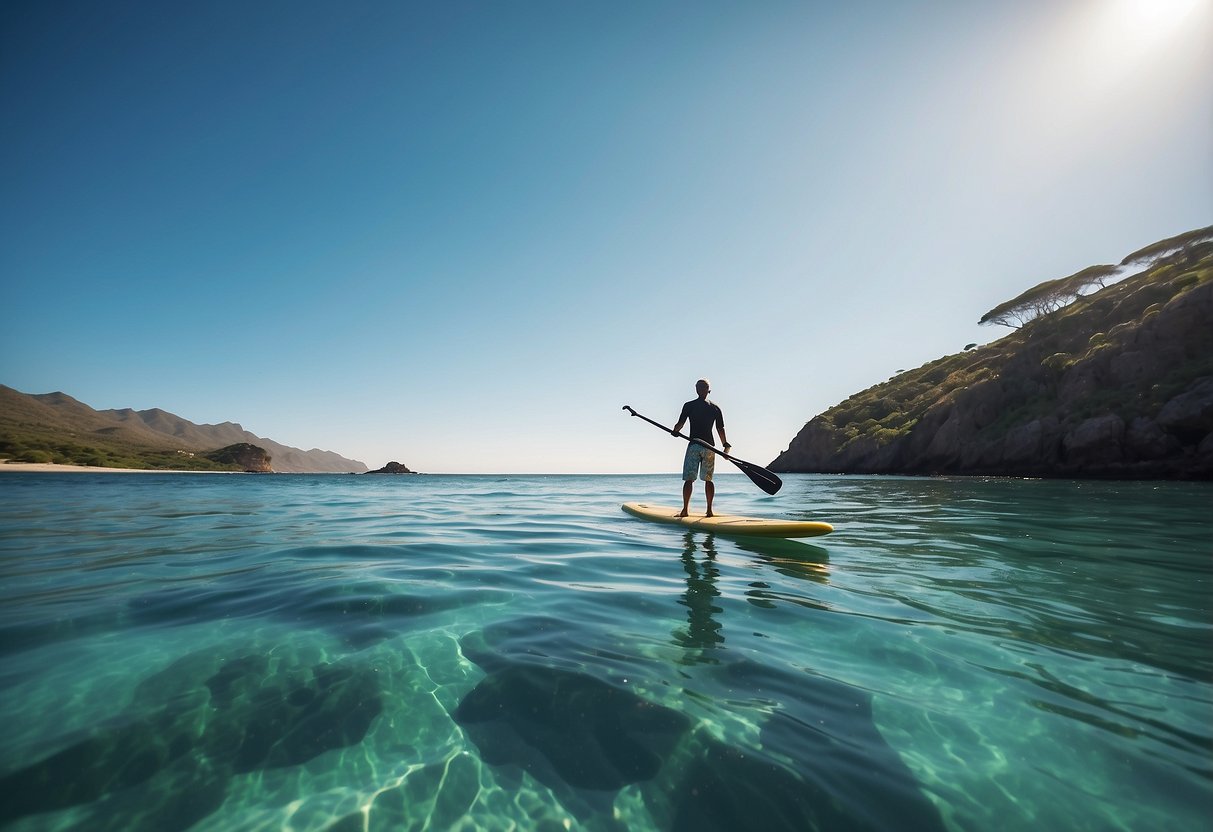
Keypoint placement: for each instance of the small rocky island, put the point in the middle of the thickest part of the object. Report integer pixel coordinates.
(392, 468)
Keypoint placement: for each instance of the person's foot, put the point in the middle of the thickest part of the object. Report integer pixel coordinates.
(682, 513)
(709, 514)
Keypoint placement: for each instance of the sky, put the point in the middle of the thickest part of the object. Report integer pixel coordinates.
(463, 235)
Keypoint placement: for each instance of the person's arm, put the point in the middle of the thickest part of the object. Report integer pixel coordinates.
(682, 420)
(724, 443)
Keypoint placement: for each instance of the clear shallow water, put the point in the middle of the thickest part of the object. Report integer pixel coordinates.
(294, 652)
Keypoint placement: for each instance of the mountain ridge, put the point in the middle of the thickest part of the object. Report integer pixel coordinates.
(58, 426)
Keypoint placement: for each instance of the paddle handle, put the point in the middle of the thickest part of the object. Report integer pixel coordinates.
(679, 435)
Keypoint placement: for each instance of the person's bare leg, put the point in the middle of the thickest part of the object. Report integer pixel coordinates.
(686, 497)
(709, 488)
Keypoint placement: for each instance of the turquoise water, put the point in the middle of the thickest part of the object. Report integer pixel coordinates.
(348, 653)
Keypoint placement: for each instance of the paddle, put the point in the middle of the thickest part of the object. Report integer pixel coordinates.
(758, 475)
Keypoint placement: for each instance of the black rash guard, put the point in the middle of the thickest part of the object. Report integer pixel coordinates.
(703, 415)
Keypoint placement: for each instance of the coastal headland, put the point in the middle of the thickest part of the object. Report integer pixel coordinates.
(1094, 381)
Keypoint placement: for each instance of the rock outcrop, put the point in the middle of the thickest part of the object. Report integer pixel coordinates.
(392, 468)
(1118, 384)
(249, 458)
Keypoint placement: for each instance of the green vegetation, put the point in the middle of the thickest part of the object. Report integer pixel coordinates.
(889, 411)
(1049, 296)
(55, 428)
(1182, 245)
(42, 445)
(1162, 258)
(243, 455)
(1029, 365)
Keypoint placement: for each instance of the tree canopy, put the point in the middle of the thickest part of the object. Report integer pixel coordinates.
(1047, 297)
(1052, 295)
(1155, 252)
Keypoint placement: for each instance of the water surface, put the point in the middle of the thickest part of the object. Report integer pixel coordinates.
(355, 652)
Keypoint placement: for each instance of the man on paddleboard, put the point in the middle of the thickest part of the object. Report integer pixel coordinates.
(703, 416)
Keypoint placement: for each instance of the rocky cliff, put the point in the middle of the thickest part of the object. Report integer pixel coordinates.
(1117, 384)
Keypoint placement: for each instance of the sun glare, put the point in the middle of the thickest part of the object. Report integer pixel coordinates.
(1151, 18)
(1115, 38)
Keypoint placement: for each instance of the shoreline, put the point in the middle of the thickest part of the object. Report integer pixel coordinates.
(56, 468)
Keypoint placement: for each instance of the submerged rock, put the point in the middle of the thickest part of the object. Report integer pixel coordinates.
(821, 763)
(192, 728)
(568, 729)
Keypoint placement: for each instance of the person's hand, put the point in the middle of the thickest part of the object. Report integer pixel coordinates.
(673, 432)
(727, 446)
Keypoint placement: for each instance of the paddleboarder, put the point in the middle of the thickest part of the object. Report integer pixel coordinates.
(703, 416)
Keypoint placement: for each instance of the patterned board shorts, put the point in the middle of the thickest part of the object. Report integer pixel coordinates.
(698, 459)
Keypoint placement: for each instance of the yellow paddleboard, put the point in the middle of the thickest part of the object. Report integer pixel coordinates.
(729, 523)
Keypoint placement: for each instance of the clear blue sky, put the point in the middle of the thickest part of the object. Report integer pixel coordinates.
(463, 235)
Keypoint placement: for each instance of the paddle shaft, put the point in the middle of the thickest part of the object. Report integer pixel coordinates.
(760, 476)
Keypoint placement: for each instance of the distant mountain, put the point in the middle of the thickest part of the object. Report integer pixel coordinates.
(1115, 383)
(55, 427)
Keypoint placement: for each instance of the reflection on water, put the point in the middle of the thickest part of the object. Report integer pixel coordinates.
(351, 653)
(789, 558)
(703, 631)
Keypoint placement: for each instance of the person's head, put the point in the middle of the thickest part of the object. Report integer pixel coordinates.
(702, 387)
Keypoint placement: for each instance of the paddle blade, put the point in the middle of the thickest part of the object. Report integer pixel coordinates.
(761, 477)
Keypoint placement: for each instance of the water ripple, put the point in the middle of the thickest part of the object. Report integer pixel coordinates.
(976, 653)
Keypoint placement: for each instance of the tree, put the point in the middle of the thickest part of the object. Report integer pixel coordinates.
(1041, 299)
(1179, 247)
(1047, 297)
(1092, 276)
